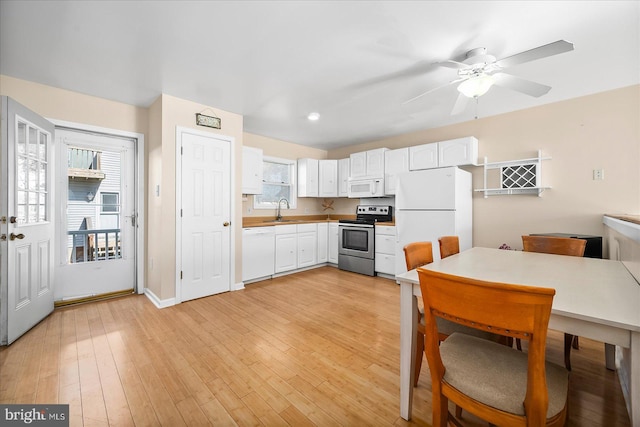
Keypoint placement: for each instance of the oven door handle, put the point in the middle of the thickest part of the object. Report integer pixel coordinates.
(355, 226)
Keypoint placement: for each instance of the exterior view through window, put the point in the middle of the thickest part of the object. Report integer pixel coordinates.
(93, 205)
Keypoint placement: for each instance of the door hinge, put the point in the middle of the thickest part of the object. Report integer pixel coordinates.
(180, 274)
(181, 150)
(180, 213)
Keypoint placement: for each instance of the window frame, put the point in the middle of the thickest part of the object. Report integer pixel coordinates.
(102, 204)
(293, 164)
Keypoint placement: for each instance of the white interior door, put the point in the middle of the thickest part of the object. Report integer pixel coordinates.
(205, 205)
(97, 229)
(28, 226)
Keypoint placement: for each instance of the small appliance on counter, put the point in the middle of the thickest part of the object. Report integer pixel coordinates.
(356, 238)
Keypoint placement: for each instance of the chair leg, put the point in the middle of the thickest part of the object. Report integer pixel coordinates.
(419, 357)
(568, 341)
(518, 344)
(576, 345)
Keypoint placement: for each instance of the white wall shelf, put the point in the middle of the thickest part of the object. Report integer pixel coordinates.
(516, 176)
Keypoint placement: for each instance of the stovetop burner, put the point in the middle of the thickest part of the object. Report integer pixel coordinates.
(366, 221)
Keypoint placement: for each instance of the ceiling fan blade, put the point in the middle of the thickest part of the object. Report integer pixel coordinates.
(418, 69)
(550, 49)
(460, 105)
(449, 63)
(521, 85)
(433, 90)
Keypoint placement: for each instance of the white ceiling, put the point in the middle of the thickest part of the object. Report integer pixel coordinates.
(354, 62)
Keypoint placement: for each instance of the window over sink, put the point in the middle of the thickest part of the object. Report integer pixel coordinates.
(278, 181)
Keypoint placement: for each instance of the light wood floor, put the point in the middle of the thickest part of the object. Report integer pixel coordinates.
(315, 348)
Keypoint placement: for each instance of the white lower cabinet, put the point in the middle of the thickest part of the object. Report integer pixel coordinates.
(307, 245)
(385, 259)
(300, 246)
(286, 248)
(333, 242)
(323, 236)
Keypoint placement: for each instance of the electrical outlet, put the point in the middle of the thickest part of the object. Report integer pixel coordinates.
(598, 174)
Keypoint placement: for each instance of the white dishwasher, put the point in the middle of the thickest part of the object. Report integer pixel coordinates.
(258, 252)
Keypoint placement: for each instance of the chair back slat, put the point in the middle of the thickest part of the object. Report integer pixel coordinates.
(504, 309)
(449, 245)
(554, 245)
(417, 254)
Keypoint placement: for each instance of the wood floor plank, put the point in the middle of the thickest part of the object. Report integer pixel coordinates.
(320, 347)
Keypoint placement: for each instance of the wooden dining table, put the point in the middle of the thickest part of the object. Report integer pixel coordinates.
(595, 298)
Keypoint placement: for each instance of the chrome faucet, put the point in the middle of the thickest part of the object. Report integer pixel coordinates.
(278, 215)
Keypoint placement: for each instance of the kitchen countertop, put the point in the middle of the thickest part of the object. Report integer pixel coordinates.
(267, 221)
(623, 217)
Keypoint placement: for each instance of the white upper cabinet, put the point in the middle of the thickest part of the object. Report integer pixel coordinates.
(453, 152)
(395, 162)
(358, 165)
(251, 170)
(307, 177)
(369, 164)
(458, 152)
(343, 177)
(328, 178)
(423, 156)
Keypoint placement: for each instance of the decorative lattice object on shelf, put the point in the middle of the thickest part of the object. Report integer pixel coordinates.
(519, 176)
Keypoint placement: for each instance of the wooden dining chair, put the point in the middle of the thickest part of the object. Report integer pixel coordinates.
(499, 384)
(418, 254)
(449, 245)
(556, 246)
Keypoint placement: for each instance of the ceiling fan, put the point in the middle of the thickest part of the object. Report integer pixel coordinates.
(479, 71)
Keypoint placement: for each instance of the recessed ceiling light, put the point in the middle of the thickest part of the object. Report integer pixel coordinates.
(313, 116)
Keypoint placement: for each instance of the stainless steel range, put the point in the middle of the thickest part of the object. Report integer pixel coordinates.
(356, 239)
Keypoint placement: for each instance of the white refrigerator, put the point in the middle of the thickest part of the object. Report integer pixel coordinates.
(432, 203)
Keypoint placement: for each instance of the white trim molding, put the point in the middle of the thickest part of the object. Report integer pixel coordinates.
(157, 301)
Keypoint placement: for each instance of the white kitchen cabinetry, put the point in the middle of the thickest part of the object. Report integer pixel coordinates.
(453, 152)
(385, 259)
(333, 242)
(286, 248)
(369, 164)
(423, 156)
(395, 162)
(307, 177)
(323, 240)
(251, 170)
(327, 178)
(307, 245)
(458, 152)
(343, 177)
(258, 252)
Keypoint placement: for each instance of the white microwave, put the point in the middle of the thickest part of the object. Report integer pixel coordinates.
(368, 187)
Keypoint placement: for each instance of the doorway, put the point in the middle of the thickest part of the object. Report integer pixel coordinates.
(98, 232)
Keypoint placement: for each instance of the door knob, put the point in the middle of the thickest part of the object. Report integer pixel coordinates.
(16, 236)
(13, 219)
(226, 223)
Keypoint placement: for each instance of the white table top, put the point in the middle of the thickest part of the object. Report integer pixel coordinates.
(595, 290)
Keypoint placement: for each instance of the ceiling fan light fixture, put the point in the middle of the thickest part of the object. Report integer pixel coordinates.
(314, 116)
(476, 86)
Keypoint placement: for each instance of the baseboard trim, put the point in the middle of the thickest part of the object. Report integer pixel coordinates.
(157, 301)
